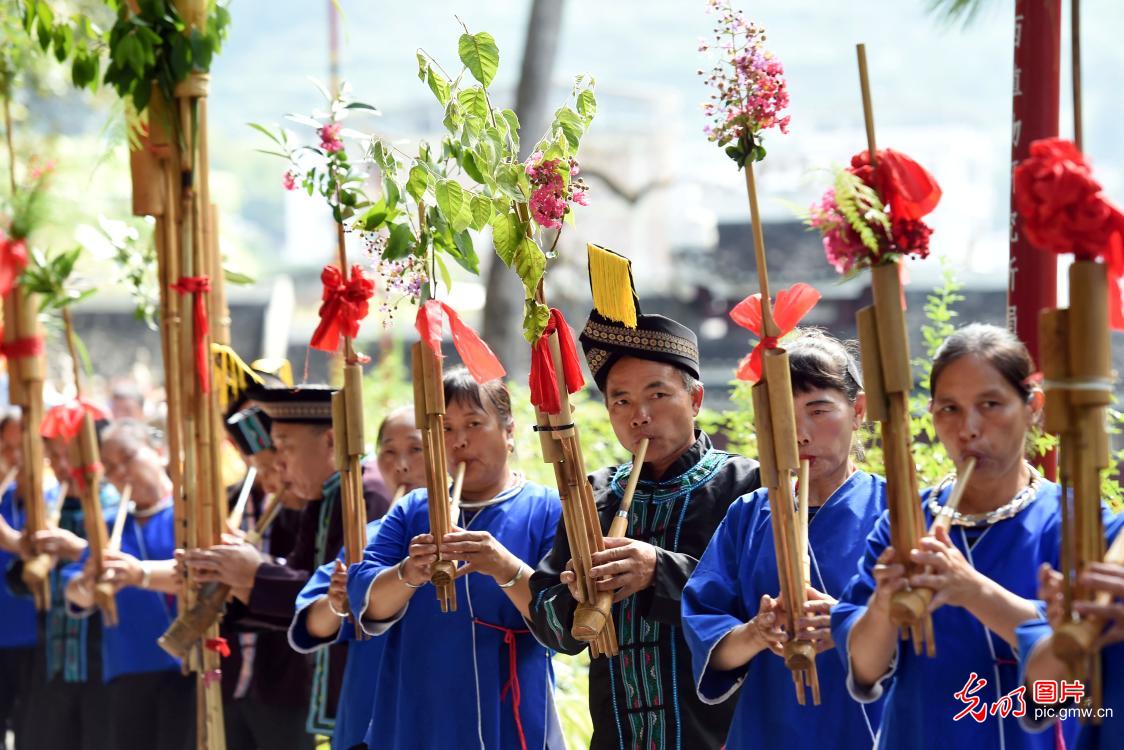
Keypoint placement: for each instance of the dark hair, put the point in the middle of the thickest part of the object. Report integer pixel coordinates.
(393, 413)
(459, 386)
(818, 360)
(10, 414)
(997, 346)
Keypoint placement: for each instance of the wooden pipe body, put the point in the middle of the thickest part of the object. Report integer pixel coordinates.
(429, 413)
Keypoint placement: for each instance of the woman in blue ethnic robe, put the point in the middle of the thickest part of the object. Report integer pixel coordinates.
(731, 618)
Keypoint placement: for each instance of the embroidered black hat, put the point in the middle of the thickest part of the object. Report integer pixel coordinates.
(616, 328)
(304, 404)
(249, 429)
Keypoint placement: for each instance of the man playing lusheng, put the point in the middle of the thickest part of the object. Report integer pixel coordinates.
(644, 696)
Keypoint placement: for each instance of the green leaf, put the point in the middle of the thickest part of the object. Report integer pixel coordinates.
(439, 86)
(587, 105)
(363, 105)
(391, 195)
(237, 277)
(451, 199)
(480, 55)
(474, 101)
(418, 182)
(481, 212)
(571, 124)
(470, 165)
(508, 179)
(529, 263)
(374, 217)
(512, 121)
(446, 279)
(535, 317)
(423, 66)
(466, 255)
(400, 242)
(507, 231)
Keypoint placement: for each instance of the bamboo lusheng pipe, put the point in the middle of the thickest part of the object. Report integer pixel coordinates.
(1078, 383)
(25, 378)
(210, 602)
(776, 426)
(429, 416)
(455, 494)
(119, 521)
(886, 368)
(234, 520)
(595, 611)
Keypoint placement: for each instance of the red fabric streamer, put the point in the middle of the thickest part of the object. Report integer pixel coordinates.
(1064, 210)
(344, 306)
(544, 380)
(198, 287)
(13, 259)
(65, 420)
(80, 473)
(512, 683)
(477, 356)
(902, 184)
(21, 348)
(218, 645)
(791, 305)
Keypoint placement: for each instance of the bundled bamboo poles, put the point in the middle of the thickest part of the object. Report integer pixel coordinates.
(23, 337)
(429, 416)
(884, 345)
(1078, 380)
(347, 428)
(779, 456)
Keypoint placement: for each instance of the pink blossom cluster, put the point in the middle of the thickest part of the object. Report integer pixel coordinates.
(289, 180)
(843, 248)
(330, 137)
(750, 91)
(401, 280)
(551, 192)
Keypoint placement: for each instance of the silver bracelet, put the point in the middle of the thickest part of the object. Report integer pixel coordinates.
(402, 578)
(515, 578)
(146, 576)
(341, 615)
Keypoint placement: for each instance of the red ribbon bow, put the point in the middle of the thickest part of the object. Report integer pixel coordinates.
(791, 305)
(80, 474)
(1064, 210)
(477, 356)
(544, 380)
(13, 259)
(197, 287)
(902, 184)
(65, 420)
(344, 306)
(218, 645)
(512, 683)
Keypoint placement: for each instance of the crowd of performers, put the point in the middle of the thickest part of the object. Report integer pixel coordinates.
(366, 655)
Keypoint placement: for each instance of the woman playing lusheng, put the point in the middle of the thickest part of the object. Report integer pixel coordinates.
(732, 622)
(322, 604)
(983, 572)
(474, 677)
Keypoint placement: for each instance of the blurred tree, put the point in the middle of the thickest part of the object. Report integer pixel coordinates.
(503, 308)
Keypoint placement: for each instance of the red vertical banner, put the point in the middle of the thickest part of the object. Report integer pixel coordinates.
(1032, 280)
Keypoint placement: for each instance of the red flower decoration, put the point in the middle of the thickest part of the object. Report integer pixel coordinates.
(1062, 207)
(344, 306)
(904, 186)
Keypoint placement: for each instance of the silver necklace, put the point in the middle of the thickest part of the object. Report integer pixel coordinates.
(975, 520)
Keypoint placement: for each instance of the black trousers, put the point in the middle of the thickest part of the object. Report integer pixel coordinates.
(152, 711)
(16, 669)
(69, 716)
(253, 725)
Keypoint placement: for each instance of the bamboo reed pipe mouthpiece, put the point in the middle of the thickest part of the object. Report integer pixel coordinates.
(56, 511)
(234, 520)
(455, 495)
(119, 521)
(399, 493)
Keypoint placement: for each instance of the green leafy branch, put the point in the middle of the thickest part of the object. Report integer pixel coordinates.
(434, 200)
(860, 205)
(325, 169)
